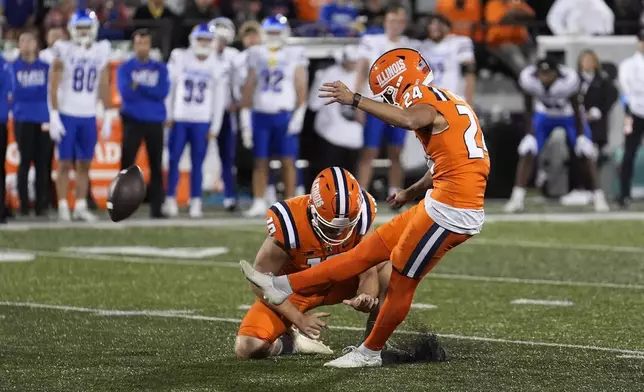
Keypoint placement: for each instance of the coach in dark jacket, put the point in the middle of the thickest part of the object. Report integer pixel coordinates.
(31, 114)
(5, 90)
(599, 95)
(143, 85)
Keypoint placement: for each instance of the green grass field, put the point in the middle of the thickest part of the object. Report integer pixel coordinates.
(60, 329)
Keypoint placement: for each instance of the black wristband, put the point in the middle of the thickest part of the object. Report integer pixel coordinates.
(356, 100)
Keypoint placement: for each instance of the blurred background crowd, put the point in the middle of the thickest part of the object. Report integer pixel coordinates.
(504, 35)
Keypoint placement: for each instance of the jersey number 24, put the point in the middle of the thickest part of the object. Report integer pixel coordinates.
(473, 150)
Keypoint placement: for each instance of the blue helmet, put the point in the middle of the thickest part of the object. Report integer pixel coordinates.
(224, 28)
(83, 26)
(202, 31)
(275, 30)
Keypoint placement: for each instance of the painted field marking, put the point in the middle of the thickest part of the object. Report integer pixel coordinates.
(630, 356)
(243, 307)
(542, 302)
(172, 253)
(423, 306)
(538, 282)
(381, 218)
(128, 259)
(234, 264)
(173, 314)
(557, 245)
(16, 257)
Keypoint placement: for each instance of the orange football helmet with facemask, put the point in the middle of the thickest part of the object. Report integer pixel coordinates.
(335, 204)
(396, 70)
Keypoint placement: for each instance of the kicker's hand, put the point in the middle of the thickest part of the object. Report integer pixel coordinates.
(362, 303)
(312, 324)
(338, 92)
(398, 199)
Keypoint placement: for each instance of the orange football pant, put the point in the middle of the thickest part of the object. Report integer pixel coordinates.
(412, 241)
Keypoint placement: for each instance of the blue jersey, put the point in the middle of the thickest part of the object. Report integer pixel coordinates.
(30, 91)
(5, 89)
(143, 87)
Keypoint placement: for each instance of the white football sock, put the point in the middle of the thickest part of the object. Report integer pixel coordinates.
(282, 283)
(518, 193)
(367, 351)
(81, 205)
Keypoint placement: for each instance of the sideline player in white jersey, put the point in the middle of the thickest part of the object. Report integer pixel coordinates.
(555, 90)
(451, 58)
(196, 106)
(78, 73)
(276, 90)
(224, 30)
(371, 48)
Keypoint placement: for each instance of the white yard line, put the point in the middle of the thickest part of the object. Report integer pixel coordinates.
(238, 221)
(557, 245)
(181, 315)
(541, 302)
(423, 306)
(234, 264)
(126, 259)
(630, 356)
(544, 282)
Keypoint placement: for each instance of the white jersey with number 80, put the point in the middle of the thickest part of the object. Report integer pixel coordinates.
(82, 68)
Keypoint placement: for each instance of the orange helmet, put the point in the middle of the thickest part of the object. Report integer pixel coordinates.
(335, 205)
(396, 70)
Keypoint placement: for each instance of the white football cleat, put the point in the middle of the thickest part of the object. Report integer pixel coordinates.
(84, 214)
(63, 214)
(600, 203)
(305, 345)
(576, 197)
(356, 357)
(170, 207)
(266, 283)
(514, 205)
(257, 210)
(195, 211)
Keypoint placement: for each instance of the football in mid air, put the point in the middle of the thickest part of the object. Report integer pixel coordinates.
(126, 193)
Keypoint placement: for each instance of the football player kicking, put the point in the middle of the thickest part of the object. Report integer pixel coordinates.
(417, 239)
(78, 72)
(302, 232)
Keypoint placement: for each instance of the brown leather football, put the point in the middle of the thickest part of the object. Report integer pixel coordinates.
(126, 193)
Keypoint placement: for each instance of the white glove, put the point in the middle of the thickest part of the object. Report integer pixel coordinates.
(593, 114)
(297, 121)
(214, 131)
(528, 145)
(584, 147)
(246, 128)
(108, 116)
(56, 128)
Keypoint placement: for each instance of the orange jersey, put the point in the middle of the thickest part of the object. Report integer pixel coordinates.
(461, 161)
(289, 223)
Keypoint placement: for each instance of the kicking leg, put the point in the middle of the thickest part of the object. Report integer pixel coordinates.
(374, 249)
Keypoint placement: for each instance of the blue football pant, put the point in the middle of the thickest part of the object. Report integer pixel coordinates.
(197, 135)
